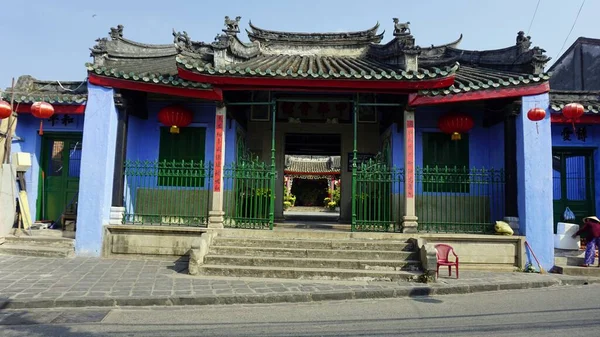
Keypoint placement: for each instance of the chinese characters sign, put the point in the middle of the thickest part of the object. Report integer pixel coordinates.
(410, 158)
(580, 132)
(64, 120)
(218, 153)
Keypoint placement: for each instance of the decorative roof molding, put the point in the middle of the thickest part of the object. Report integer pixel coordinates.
(121, 47)
(294, 38)
(29, 90)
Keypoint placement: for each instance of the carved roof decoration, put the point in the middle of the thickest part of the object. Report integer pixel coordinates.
(29, 90)
(312, 164)
(150, 63)
(339, 39)
(346, 55)
(589, 99)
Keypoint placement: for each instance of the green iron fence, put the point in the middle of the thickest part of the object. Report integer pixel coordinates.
(378, 197)
(459, 199)
(248, 195)
(174, 193)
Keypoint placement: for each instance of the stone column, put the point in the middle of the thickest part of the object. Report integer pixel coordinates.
(409, 222)
(216, 214)
(96, 179)
(534, 176)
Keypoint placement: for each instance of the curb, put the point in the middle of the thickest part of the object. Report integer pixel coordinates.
(400, 292)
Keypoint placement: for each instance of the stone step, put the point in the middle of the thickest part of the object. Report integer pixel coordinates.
(313, 253)
(42, 241)
(592, 271)
(412, 265)
(312, 234)
(309, 273)
(314, 244)
(39, 251)
(568, 260)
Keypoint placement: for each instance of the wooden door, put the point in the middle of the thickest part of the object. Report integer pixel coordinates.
(61, 160)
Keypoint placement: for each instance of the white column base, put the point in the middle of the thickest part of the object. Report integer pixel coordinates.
(410, 224)
(116, 215)
(216, 219)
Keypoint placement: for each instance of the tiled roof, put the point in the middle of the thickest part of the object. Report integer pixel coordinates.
(29, 90)
(119, 70)
(473, 78)
(311, 66)
(300, 164)
(589, 99)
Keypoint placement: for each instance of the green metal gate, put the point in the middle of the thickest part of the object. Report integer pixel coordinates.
(378, 197)
(248, 195)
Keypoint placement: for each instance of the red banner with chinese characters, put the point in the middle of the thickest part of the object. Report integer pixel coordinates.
(410, 159)
(218, 153)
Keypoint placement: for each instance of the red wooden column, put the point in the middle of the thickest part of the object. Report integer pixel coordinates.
(216, 214)
(409, 222)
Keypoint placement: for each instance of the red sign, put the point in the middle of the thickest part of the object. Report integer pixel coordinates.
(217, 179)
(410, 159)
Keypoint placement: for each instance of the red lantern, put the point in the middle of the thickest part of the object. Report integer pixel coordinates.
(42, 110)
(175, 116)
(572, 111)
(5, 109)
(455, 124)
(536, 114)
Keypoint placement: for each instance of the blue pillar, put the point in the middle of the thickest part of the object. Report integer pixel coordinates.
(534, 176)
(97, 168)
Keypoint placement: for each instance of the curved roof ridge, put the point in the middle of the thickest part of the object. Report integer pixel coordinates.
(369, 32)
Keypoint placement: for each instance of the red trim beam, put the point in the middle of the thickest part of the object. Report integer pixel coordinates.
(557, 118)
(416, 100)
(214, 94)
(58, 109)
(316, 84)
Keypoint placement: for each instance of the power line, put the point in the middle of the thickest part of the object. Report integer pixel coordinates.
(533, 18)
(573, 26)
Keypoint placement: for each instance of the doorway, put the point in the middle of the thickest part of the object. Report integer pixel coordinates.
(61, 162)
(312, 176)
(573, 183)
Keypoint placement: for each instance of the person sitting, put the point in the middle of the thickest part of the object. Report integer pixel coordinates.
(592, 228)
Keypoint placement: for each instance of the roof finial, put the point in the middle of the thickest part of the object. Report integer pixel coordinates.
(116, 33)
(232, 27)
(401, 29)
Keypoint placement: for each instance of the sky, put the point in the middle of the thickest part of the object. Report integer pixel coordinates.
(50, 39)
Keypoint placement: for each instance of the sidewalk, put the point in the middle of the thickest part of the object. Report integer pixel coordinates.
(32, 282)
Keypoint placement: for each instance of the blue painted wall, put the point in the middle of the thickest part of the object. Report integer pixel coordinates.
(486, 145)
(592, 142)
(534, 174)
(29, 141)
(97, 170)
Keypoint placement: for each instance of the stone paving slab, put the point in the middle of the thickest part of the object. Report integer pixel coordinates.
(35, 282)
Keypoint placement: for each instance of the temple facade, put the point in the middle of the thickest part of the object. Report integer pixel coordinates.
(203, 134)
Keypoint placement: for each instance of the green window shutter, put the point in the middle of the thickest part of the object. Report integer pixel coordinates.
(186, 146)
(442, 153)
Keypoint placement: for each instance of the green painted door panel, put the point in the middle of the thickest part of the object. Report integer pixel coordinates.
(61, 163)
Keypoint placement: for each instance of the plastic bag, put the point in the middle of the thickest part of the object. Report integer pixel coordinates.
(568, 215)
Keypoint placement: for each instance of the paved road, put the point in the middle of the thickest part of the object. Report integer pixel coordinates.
(557, 311)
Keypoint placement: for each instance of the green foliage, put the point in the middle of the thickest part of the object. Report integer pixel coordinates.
(286, 205)
(289, 198)
(334, 201)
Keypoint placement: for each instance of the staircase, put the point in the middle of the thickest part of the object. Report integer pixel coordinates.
(318, 255)
(41, 246)
(568, 262)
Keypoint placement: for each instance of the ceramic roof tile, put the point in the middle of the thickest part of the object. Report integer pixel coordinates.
(300, 164)
(589, 99)
(314, 66)
(29, 90)
(474, 78)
